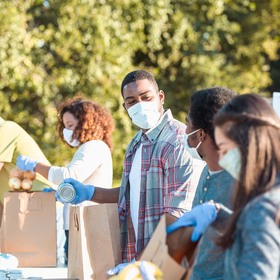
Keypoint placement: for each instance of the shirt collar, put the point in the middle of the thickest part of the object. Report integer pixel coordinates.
(153, 133)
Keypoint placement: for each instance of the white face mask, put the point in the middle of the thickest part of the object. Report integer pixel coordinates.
(191, 133)
(231, 162)
(144, 114)
(67, 134)
(193, 152)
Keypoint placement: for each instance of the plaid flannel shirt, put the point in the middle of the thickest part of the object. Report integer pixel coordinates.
(166, 183)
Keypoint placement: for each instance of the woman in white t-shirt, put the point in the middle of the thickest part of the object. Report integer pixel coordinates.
(88, 127)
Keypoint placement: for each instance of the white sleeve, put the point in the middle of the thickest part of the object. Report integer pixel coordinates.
(86, 160)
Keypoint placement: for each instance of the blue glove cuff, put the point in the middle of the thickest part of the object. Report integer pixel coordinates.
(48, 190)
(91, 190)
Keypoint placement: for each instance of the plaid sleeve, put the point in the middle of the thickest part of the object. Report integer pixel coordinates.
(180, 181)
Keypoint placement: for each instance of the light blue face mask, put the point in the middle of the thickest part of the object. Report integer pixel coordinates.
(189, 134)
(231, 162)
(193, 152)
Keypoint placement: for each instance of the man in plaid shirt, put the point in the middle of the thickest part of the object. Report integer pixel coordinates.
(159, 174)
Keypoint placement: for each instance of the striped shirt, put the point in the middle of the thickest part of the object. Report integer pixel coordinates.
(166, 182)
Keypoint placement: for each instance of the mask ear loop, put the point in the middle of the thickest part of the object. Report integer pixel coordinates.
(200, 142)
(198, 145)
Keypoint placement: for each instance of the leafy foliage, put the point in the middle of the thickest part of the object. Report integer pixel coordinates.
(53, 50)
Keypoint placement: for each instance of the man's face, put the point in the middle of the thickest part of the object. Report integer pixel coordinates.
(142, 91)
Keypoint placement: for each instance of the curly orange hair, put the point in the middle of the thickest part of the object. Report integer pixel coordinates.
(94, 121)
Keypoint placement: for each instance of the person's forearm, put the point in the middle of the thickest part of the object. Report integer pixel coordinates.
(102, 195)
(42, 169)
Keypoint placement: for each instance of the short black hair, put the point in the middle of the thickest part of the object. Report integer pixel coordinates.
(136, 76)
(205, 104)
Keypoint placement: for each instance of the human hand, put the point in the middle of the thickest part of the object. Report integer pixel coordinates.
(26, 163)
(199, 217)
(83, 192)
(117, 269)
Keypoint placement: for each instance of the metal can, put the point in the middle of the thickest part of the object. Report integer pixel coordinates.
(66, 192)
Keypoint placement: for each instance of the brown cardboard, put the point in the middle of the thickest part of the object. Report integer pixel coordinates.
(156, 251)
(29, 228)
(94, 241)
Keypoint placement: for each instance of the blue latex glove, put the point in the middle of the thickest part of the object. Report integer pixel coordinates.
(200, 217)
(48, 190)
(25, 163)
(83, 192)
(117, 269)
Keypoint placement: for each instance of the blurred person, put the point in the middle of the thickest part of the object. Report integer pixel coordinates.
(87, 127)
(247, 133)
(159, 175)
(15, 141)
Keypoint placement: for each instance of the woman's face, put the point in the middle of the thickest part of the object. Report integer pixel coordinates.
(223, 143)
(69, 121)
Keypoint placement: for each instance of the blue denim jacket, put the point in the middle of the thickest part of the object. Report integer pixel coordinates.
(255, 253)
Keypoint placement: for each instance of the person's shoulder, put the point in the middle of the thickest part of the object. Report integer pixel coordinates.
(98, 144)
(11, 124)
(270, 197)
(204, 173)
(173, 129)
(12, 129)
(168, 117)
(179, 125)
(263, 207)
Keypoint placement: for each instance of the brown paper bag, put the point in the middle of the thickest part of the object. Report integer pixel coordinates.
(29, 228)
(94, 241)
(156, 251)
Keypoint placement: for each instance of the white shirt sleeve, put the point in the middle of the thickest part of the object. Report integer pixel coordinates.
(86, 160)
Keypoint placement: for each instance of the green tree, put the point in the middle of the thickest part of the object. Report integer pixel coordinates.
(53, 50)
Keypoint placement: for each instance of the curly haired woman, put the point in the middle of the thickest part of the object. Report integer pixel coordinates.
(88, 127)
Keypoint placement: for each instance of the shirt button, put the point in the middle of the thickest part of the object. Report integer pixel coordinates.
(208, 177)
(200, 201)
(205, 189)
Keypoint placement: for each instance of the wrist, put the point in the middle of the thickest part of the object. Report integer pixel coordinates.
(216, 204)
(34, 166)
(91, 190)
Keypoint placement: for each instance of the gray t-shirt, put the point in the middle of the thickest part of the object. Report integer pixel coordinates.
(209, 263)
